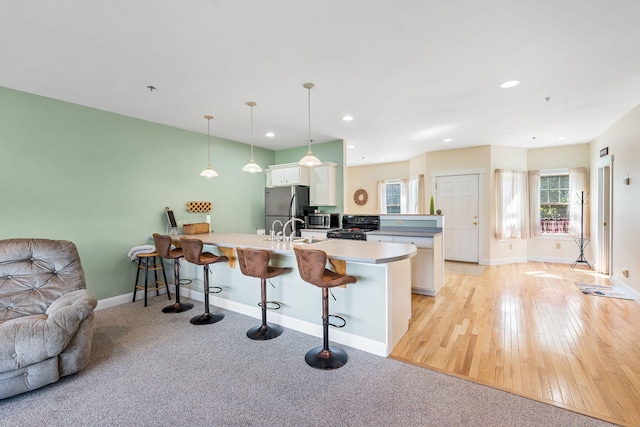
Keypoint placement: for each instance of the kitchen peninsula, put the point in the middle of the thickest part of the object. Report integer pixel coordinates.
(377, 308)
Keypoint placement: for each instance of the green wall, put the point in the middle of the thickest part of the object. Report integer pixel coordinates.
(103, 181)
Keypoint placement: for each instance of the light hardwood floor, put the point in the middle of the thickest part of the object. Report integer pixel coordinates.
(527, 329)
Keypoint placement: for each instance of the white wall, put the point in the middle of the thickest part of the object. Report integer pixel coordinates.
(623, 140)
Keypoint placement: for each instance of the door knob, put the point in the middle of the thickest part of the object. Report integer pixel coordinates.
(604, 224)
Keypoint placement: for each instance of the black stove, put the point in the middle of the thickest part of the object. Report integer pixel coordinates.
(355, 227)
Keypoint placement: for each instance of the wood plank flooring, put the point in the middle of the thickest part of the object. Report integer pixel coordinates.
(527, 329)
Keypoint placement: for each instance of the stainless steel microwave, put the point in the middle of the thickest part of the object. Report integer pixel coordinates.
(322, 220)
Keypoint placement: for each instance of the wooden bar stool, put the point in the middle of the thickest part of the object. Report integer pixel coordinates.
(312, 266)
(255, 263)
(148, 262)
(163, 247)
(192, 249)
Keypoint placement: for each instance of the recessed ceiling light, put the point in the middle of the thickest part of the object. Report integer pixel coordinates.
(347, 118)
(351, 146)
(562, 138)
(448, 140)
(510, 83)
(270, 134)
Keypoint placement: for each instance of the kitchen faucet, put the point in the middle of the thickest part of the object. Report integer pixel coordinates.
(293, 229)
(274, 236)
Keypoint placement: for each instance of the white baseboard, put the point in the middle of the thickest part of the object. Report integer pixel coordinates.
(124, 298)
(552, 259)
(628, 289)
(502, 261)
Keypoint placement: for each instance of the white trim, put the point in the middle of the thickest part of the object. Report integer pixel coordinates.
(556, 171)
(502, 261)
(553, 259)
(628, 289)
(125, 298)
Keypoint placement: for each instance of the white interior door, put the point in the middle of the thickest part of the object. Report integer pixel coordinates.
(604, 219)
(457, 197)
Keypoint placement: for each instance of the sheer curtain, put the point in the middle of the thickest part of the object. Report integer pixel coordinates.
(416, 195)
(578, 186)
(405, 199)
(512, 210)
(382, 197)
(534, 203)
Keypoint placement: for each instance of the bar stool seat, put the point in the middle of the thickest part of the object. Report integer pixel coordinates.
(255, 263)
(163, 247)
(192, 249)
(150, 261)
(312, 266)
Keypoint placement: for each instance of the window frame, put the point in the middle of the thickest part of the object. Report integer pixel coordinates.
(545, 173)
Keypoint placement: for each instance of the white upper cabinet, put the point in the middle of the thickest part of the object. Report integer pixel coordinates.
(322, 191)
(287, 174)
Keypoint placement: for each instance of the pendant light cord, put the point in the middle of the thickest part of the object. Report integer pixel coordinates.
(251, 136)
(209, 140)
(309, 105)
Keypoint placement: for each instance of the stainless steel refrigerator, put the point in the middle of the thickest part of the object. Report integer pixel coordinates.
(284, 203)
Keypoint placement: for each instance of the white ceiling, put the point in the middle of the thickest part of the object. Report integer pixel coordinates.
(412, 73)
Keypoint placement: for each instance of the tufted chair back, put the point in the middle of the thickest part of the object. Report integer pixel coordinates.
(34, 273)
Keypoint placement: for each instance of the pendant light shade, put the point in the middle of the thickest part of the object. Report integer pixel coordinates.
(309, 160)
(252, 166)
(209, 172)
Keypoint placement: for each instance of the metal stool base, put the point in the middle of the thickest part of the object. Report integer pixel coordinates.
(206, 319)
(320, 358)
(264, 332)
(178, 307)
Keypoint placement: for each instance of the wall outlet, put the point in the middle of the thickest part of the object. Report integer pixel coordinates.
(625, 273)
(510, 246)
(558, 246)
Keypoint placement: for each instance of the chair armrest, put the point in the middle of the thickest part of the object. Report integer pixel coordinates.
(31, 339)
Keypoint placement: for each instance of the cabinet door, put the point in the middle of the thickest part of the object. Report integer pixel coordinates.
(277, 177)
(322, 191)
(379, 238)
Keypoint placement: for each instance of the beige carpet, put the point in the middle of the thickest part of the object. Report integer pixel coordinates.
(467, 268)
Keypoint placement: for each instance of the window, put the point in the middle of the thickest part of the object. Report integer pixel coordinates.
(401, 196)
(393, 198)
(554, 203)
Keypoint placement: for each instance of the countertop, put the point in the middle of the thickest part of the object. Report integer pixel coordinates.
(339, 249)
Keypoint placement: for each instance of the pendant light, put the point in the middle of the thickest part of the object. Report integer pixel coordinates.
(309, 160)
(252, 166)
(208, 172)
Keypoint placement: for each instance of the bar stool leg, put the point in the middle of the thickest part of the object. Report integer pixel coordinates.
(265, 331)
(206, 318)
(178, 307)
(164, 275)
(135, 287)
(146, 278)
(326, 357)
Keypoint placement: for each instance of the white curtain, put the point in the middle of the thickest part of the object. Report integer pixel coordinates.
(512, 209)
(578, 189)
(416, 195)
(405, 199)
(534, 203)
(421, 205)
(382, 197)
